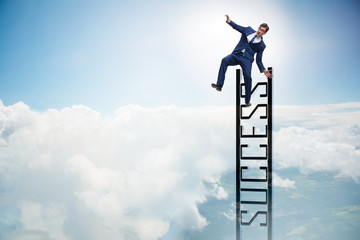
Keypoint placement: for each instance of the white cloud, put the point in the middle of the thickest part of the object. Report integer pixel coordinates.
(135, 172)
(317, 116)
(319, 138)
(26, 235)
(49, 218)
(217, 190)
(230, 213)
(283, 183)
(333, 150)
(73, 173)
(297, 231)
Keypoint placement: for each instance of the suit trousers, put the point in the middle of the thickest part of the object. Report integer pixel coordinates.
(237, 59)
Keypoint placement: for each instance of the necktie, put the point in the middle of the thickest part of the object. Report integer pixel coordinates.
(252, 40)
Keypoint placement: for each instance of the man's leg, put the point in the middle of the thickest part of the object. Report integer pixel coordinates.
(246, 67)
(230, 60)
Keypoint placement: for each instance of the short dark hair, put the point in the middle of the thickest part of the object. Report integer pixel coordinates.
(264, 25)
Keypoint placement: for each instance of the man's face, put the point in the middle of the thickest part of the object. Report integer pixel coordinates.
(261, 31)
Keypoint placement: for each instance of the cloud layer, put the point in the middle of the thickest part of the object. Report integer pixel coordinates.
(75, 174)
(319, 138)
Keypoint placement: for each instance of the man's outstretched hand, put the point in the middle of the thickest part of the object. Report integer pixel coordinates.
(227, 18)
(267, 74)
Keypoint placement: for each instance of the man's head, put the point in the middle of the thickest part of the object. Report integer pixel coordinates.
(262, 30)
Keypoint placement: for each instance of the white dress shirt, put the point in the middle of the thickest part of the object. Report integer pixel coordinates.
(256, 40)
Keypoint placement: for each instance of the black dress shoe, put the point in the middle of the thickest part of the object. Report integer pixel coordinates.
(216, 86)
(247, 104)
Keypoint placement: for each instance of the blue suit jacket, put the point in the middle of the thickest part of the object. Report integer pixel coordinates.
(250, 49)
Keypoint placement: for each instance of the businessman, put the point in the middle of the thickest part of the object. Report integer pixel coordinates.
(251, 42)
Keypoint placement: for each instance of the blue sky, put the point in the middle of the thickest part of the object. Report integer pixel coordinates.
(97, 92)
(109, 54)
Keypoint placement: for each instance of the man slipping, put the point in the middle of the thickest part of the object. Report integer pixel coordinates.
(251, 42)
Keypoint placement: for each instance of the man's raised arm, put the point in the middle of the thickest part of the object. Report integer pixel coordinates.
(234, 25)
